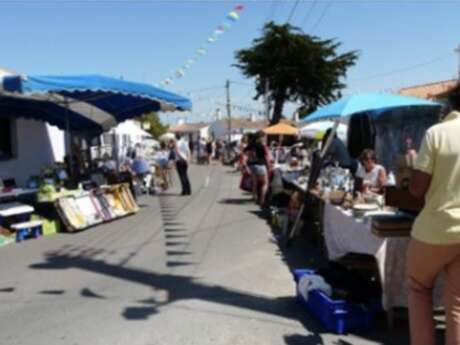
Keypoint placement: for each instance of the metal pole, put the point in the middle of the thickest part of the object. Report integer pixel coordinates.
(267, 103)
(458, 51)
(229, 113)
(311, 183)
(69, 136)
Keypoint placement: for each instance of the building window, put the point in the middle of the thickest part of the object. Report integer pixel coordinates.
(107, 138)
(6, 139)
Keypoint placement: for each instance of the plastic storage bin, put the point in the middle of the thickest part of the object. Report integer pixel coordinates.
(337, 316)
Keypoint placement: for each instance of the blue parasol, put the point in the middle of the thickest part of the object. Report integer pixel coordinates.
(366, 102)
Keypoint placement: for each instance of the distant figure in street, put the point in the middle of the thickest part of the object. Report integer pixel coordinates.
(190, 146)
(209, 149)
(180, 154)
(218, 150)
(435, 244)
(201, 154)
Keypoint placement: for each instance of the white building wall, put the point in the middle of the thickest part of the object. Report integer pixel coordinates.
(35, 144)
(58, 142)
(218, 129)
(204, 133)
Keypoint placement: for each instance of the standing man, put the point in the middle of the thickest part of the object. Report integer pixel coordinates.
(435, 243)
(180, 153)
(209, 149)
(190, 146)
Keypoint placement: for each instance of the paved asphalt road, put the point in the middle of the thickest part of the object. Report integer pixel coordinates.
(198, 270)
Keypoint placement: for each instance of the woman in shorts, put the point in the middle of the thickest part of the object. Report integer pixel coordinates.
(258, 160)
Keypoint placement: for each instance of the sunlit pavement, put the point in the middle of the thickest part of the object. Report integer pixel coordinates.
(198, 270)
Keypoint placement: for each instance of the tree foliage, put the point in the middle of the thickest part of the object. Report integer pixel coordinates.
(155, 127)
(296, 66)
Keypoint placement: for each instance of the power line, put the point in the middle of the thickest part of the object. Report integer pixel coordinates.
(226, 1)
(320, 19)
(309, 12)
(292, 11)
(404, 69)
(241, 83)
(209, 88)
(271, 12)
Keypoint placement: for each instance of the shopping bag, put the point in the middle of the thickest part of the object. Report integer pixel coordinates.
(246, 182)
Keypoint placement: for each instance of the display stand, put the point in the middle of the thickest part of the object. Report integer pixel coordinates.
(94, 207)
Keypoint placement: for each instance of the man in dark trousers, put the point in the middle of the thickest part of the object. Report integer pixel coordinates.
(180, 153)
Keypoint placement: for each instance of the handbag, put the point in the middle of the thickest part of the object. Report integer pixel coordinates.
(246, 182)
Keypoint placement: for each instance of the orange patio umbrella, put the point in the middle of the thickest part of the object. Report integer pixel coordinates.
(281, 129)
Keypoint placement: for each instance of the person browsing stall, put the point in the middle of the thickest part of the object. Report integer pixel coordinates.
(258, 162)
(180, 154)
(337, 152)
(435, 242)
(373, 175)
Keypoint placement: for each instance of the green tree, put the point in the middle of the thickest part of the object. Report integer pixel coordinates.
(295, 67)
(154, 125)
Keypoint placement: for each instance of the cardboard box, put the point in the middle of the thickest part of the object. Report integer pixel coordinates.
(402, 199)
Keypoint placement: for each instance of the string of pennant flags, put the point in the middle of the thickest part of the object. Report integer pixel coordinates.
(226, 24)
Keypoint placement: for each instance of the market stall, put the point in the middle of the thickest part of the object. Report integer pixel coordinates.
(354, 218)
(84, 106)
(344, 233)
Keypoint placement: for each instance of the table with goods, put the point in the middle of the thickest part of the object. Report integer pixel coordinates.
(55, 205)
(356, 227)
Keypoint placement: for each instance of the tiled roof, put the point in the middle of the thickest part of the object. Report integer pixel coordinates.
(431, 90)
(188, 127)
(238, 123)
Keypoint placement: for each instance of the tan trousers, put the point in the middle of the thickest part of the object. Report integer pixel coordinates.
(424, 263)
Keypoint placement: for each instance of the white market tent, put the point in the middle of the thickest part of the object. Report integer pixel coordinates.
(134, 131)
(167, 136)
(316, 130)
(129, 135)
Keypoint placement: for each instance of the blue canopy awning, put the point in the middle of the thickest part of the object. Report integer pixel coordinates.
(52, 113)
(366, 102)
(106, 101)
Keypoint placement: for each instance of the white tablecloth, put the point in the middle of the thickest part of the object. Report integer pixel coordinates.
(345, 234)
(14, 209)
(16, 192)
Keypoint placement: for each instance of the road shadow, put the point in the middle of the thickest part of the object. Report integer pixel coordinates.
(52, 292)
(174, 243)
(177, 253)
(175, 229)
(86, 292)
(236, 201)
(297, 339)
(7, 289)
(177, 288)
(172, 223)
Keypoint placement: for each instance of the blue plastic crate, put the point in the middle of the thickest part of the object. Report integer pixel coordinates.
(337, 316)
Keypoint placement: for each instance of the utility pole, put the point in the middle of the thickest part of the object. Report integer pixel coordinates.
(458, 51)
(267, 102)
(229, 112)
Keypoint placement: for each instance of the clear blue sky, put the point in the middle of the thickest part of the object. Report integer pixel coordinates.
(147, 40)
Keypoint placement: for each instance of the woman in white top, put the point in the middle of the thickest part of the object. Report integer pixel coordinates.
(374, 176)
